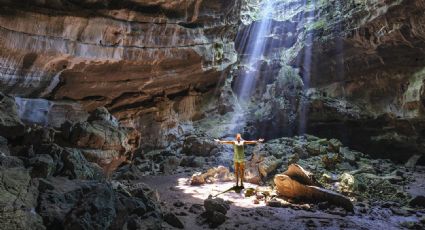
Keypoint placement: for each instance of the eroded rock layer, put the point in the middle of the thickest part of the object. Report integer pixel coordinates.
(118, 54)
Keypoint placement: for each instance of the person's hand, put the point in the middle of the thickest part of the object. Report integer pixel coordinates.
(260, 140)
(216, 140)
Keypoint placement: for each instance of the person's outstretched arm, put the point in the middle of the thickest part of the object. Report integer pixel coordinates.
(224, 142)
(254, 142)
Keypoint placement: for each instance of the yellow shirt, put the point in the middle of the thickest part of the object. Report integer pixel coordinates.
(239, 155)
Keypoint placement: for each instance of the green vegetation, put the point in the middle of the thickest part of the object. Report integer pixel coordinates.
(317, 25)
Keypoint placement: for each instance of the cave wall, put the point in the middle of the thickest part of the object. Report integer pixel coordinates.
(118, 54)
(361, 66)
(147, 62)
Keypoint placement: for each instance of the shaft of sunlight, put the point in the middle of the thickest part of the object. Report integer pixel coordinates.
(253, 48)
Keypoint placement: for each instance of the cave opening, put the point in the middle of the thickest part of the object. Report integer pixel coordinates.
(227, 114)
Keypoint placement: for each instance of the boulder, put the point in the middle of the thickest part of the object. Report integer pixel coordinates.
(418, 201)
(296, 184)
(18, 198)
(334, 145)
(94, 210)
(331, 160)
(109, 160)
(219, 173)
(347, 183)
(170, 164)
(101, 138)
(259, 166)
(75, 166)
(173, 220)
(216, 204)
(37, 135)
(198, 146)
(192, 161)
(82, 204)
(215, 211)
(10, 162)
(268, 165)
(42, 165)
(142, 223)
(10, 123)
(314, 148)
(350, 156)
(4, 149)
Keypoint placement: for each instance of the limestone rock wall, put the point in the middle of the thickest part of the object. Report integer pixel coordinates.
(118, 54)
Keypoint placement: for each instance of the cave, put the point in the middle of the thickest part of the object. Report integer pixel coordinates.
(212, 114)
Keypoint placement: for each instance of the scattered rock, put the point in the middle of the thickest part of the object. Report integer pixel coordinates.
(349, 156)
(331, 160)
(399, 211)
(313, 148)
(216, 204)
(219, 173)
(249, 192)
(170, 164)
(215, 211)
(334, 145)
(196, 208)
(347, 183)
(173, 220)
(418, 201)
(178, 204)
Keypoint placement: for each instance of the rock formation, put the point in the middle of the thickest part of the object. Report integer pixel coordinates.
(339, 69)
(136, 58)
(295, 183)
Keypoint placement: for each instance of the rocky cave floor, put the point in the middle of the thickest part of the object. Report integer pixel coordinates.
(77, 176)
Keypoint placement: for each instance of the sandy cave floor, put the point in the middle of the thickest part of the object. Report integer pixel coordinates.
(244, 214)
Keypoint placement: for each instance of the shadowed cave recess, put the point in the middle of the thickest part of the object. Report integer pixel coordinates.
(109, 111)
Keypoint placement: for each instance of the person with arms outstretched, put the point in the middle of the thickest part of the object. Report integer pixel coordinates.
(239, 155)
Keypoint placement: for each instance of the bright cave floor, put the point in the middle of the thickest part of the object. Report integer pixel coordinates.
(186, 202)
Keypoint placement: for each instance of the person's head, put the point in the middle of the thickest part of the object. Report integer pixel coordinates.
(238, 137)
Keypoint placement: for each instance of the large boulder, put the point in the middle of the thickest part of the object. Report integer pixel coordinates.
(259, 166)
(75, 166)
(198, 146)
(101, 139)
(297, 184)
(82, 204)
(10, 124)
(94, 210)
(18, 198)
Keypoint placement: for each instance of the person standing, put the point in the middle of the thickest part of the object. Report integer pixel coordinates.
(239, 155)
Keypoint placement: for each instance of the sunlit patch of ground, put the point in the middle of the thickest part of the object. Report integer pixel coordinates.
(203, 191)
